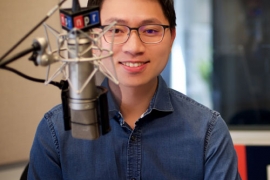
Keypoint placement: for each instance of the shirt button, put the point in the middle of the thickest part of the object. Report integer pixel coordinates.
(133, 138)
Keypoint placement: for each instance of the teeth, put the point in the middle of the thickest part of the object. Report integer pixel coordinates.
(129, 64)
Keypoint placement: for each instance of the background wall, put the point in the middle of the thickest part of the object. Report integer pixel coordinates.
(22, 102)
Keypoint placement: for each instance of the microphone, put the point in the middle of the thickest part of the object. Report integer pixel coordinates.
(85, 106)
(87, 103)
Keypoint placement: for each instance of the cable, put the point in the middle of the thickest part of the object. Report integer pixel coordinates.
(57, 84)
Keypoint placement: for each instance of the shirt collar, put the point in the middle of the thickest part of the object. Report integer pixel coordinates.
(161, 100)
(113, 107)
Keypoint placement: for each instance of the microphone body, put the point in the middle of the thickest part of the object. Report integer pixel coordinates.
(83, 105)
(88, 106)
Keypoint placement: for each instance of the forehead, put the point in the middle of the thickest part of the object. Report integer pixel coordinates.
(132, 12)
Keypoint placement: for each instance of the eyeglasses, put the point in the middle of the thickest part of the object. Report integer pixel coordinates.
(149, 34)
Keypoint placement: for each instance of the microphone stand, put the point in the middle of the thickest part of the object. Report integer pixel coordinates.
(42, 56)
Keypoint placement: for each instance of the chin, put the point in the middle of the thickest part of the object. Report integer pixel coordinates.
(136, 82)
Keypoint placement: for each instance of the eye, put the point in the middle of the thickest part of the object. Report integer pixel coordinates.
(150, 30)
(118, 30)
(115, 30)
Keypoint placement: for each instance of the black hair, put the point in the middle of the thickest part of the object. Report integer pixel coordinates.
(166, 5)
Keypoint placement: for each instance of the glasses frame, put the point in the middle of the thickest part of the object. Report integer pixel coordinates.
(137, 29)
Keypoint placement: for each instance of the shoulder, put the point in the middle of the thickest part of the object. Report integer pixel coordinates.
(183, 109)
(184, 103)
(52, 121)
(54, 116)
(54, 112)
(199, 118)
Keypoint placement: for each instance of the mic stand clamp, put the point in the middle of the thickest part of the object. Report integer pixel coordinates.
(42, 56)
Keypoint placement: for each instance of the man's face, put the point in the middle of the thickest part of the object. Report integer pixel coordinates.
(137, 63)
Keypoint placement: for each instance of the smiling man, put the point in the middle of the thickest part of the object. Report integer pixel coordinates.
(140, 54)
(157, 132)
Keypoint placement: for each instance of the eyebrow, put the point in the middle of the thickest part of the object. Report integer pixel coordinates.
(108, 21)
(122, 21)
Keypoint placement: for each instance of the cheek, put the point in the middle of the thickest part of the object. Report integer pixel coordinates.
(107, 64)
(109, 47)
(160, 56)
(162, 52)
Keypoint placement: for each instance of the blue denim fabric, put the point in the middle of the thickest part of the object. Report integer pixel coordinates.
(177, 138)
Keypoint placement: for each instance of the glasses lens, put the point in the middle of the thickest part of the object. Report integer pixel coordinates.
(117, 34)
(151, 33)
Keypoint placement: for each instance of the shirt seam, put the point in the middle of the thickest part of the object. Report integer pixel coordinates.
(48, 117)
(209, 131)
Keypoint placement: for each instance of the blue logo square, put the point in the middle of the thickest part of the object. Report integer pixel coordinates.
(94, 17)
(69, 22)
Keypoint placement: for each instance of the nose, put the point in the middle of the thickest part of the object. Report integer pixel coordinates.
(134, 45)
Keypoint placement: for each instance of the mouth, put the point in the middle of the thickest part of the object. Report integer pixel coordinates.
(133, 64)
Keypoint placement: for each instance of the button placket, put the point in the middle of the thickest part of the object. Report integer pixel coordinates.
(134, 155)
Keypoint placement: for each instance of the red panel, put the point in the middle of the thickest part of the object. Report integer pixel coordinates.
(63, 19)
(242, 160)
(78, 22)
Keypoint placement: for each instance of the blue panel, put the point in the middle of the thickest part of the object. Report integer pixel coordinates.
(94, 17)
(69, 22)
(258, 157)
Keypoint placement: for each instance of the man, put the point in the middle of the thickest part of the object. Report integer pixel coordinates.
(157, 133)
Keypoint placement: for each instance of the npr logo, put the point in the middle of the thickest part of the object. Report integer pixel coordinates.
(82, 20)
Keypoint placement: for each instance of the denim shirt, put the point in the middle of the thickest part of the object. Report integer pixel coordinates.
(177, 138)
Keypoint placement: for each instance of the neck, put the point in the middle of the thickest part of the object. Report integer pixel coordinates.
(133, 101)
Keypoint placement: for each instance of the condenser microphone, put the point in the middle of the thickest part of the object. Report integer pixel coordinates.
(87, 102)
(85, 106)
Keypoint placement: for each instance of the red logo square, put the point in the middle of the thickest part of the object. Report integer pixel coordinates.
(78, 22)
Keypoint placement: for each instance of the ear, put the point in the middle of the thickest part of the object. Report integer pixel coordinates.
(173, 35)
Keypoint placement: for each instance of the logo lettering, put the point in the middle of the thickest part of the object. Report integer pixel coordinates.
(78, 21)
(86, 20)
(63, 19)
(94, 17)
(69, 23)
